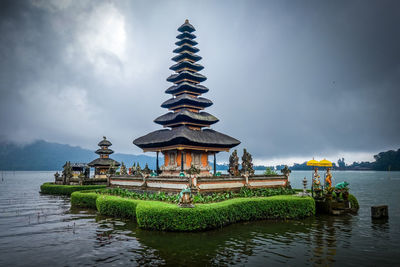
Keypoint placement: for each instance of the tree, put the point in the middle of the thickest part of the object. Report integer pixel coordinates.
(341, 163)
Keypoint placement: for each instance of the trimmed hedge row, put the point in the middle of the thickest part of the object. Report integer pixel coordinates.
(163, 216)
(117, 206)
(56, 189)
(84, 199)
(169, 217)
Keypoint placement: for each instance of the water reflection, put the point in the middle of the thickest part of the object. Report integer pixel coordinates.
(312, 240)
(42, 230)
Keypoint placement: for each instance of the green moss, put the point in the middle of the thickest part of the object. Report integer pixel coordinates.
(84, 199)
(55, 189)
(170, 217)
(353, 202)
(117, 206)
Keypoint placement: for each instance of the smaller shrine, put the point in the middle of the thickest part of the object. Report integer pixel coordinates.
(104, 163)
(73, 174)
(78, 169)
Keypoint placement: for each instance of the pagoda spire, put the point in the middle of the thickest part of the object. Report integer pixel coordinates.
(186, 104)
(186, 117)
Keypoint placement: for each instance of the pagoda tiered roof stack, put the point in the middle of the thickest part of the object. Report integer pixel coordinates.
(186, 117)
(104, 161)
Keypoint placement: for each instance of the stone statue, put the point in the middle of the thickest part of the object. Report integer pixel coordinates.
(67, 172)
(186, 198)
(286, 171)
(234, 164)
(342, 185)
(316, 181)
(138, 170)
(146, 170)
(193, 170)
(328, 178)
(111, 169)
(132, 169)
(122, 170)
(247, 164)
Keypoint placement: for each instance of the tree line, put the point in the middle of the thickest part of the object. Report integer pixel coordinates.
(384, 161)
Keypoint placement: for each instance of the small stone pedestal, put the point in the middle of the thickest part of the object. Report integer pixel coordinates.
(379, 212)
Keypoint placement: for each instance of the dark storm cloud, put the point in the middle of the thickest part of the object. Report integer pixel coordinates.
(287, 78)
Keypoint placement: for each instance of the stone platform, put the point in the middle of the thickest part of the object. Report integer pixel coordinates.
(200, 184)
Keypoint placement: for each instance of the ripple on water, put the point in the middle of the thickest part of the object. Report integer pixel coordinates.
(37, 229)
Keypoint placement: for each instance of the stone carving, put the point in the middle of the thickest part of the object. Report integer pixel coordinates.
(342, 185)
(122, 170)
(328, 178)
(247, 163)
(286, 171)
(234, 164)
(186, 198)
(193, 170)
(146, 170)
(67, 172)
(138, 170)
(112, 169)
(132, 169)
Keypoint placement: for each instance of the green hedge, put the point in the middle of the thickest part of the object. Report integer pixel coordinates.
(84, 199)
(117, 206)
(353, 202)
(55, 189)
(170, 217)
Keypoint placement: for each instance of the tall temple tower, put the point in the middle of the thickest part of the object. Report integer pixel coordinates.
(186, 142)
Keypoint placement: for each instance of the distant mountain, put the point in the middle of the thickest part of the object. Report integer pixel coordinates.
(42, 155)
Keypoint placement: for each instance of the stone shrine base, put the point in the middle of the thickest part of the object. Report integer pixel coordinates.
(201, 184)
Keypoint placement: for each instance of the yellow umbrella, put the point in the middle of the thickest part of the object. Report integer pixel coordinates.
(313, 162)
(325, 163)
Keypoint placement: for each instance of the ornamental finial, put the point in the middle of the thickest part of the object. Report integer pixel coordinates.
(186, 21)
(104, 138)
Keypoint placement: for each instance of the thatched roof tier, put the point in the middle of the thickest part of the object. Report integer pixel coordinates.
(188, 117)
(186, 137)
(103, 162)
(186, 35)
(186, 99)
(104, 142)
(186, 41)
(186, 76)
(186, 27)
(186, 87)
(186, 56)
(76, 165)
(186, 47)
(186, 65)
(105, 151)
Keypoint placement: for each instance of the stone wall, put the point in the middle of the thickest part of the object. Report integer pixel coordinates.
(203, 184)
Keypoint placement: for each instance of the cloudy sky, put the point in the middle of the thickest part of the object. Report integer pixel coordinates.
(290, 79)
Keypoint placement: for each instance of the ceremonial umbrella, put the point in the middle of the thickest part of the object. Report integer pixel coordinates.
(325, 163)
(313, 162)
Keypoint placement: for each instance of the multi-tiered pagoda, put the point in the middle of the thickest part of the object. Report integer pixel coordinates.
(186, 143)
(104, 162)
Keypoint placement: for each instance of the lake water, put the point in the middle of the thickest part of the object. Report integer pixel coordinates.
(42, 230)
